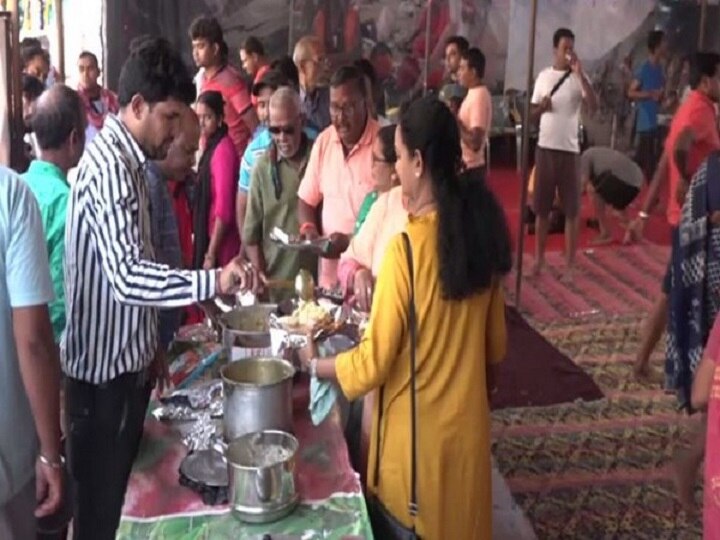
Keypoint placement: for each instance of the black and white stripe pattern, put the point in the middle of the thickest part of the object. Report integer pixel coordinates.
(112, 287)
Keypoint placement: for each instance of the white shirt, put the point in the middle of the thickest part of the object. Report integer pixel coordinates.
(560, 125)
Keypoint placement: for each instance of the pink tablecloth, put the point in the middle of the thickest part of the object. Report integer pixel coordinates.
(323, 467)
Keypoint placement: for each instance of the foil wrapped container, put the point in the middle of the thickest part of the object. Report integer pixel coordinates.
(183, 413)
(200, 396)
(193, 413)
(204, 433)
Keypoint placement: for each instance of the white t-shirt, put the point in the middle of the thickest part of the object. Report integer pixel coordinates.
(559, 127)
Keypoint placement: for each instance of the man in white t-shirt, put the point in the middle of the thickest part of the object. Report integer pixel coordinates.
(475, 114)
(557, 98)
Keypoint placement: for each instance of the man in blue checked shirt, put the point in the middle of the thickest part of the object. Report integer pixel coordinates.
(262, 140)
(163, 222)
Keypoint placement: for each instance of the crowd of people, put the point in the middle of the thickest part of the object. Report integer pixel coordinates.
(137, 204)
(177, 182)
(686, 161)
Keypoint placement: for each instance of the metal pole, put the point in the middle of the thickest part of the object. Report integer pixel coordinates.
(525, 153)
(703, 17)
(15, 89)
(291, 29)
(428, 20)
(61, 37)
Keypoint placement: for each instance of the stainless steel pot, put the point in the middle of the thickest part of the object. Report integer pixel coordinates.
(246, 327)
(261, 469)
(258, 396)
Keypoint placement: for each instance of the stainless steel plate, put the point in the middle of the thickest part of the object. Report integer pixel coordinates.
(207, 467)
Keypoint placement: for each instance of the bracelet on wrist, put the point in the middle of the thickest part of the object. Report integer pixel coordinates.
(643, 215)
(59, 464)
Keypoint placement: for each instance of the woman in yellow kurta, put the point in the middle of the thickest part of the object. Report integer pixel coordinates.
(460, 247)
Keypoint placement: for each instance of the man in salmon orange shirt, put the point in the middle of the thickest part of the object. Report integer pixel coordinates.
(210, 53)
(693, 137)
(338, 171)
(475, 114)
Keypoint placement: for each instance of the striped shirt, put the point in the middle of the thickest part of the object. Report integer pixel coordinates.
(112, 285)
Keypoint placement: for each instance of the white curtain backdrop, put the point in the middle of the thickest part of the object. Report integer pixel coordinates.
(598, 25)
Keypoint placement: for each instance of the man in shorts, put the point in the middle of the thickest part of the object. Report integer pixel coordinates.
(612, 179)
(557, 98)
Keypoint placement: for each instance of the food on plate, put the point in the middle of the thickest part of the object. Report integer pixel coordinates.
(307, 315)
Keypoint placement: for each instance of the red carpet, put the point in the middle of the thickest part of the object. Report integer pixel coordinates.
(505, 183)
(537, 374)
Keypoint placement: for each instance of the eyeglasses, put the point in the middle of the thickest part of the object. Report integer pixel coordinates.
(346, 110)
(285, 130)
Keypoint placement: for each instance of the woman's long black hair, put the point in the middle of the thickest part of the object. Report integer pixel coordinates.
(473, 238)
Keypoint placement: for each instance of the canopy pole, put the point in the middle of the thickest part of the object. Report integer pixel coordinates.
(428, 27)
(291, 29)
(703, 18)
(15, 88)
(525, 154)
(61, 38)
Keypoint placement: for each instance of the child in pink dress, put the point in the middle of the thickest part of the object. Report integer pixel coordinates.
(706, 392)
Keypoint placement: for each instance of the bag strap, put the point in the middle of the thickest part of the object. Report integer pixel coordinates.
(560, 82)
(412, 319)
(412, 322)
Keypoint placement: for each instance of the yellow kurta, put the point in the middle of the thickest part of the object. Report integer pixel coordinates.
(456, 340)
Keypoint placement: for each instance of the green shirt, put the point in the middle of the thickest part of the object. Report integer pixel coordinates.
(266, 211)
(51, 189)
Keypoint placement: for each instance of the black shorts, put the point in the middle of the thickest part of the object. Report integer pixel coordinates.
(614, 191)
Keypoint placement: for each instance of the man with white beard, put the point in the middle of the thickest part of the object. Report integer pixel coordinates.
(273, 199)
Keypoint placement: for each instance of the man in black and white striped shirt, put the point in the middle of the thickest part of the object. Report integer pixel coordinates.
(113, 287)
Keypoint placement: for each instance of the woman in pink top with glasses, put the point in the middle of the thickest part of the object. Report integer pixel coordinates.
(385, 218)
(217, 240)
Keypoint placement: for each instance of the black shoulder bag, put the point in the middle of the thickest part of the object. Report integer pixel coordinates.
(384, 524)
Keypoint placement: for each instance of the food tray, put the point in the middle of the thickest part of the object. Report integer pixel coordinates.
(319, 245)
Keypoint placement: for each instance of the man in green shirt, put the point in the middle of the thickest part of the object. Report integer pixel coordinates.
(59, 124)
(273, 199)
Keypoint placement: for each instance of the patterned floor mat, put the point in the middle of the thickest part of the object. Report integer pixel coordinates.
(606, 282)
(599, 469)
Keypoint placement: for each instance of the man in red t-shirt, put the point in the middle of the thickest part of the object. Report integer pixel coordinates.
(693, 136)
(210, 53)
(254, 62)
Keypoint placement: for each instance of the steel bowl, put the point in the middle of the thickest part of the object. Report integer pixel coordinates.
(261, 471)
(247, 327)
